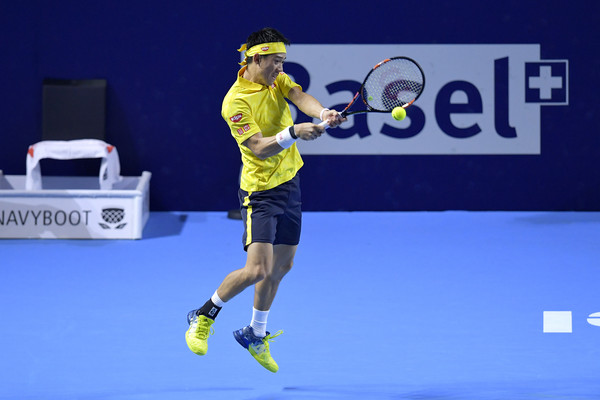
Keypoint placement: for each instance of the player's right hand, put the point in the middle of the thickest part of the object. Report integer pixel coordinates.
(308, 131)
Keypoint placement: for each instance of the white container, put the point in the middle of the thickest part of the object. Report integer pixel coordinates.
(74, 208)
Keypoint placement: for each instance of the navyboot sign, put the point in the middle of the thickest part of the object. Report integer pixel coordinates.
(69, 218)
(24, 217)
(74, 213)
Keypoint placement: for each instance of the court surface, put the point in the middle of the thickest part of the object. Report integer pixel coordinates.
(423, 305)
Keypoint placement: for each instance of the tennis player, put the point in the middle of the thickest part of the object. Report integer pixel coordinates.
(259, 118)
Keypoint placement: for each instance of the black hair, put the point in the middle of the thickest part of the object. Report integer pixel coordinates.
(265, 35)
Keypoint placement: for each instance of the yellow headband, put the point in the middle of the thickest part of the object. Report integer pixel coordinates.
(262, 49)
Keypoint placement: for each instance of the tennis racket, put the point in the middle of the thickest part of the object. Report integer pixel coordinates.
(394, 82)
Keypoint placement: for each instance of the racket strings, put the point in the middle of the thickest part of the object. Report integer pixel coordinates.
(395, 83)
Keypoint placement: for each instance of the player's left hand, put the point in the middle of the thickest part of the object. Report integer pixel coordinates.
(333, 118)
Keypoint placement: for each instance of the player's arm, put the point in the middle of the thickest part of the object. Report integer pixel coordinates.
(313, 108)
(265, 147)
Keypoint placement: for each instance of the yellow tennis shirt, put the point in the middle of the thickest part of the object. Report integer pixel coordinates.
(249, 108)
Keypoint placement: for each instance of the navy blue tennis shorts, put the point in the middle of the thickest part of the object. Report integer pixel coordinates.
(272, 216)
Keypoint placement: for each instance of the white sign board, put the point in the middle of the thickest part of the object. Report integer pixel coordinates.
(120, 213)
(478, 99)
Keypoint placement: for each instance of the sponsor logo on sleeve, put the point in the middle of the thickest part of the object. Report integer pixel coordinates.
(236, 118)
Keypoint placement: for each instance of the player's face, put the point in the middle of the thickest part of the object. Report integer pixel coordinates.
(271, 65)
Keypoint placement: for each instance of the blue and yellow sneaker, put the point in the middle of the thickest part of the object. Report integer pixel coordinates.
(258, 347)
(198, 332)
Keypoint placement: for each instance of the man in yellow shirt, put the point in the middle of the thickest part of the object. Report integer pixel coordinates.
(260, 121)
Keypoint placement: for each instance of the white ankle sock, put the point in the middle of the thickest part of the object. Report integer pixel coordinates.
(217, 300)
(259, 322)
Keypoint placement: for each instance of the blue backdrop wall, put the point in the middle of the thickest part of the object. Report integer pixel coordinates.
(169, 65)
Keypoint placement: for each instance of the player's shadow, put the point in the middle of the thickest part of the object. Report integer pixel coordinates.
(163, 224)
(558, 218)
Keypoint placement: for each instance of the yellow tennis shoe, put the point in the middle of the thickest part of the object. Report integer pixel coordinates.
(258, 347)
(198, 332)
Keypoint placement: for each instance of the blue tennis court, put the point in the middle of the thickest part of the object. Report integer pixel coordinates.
(379, 305)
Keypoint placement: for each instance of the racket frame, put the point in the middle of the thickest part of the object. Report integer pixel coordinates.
(360, 92)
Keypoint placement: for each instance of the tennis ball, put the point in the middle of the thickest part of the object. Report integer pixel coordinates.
(399, 113)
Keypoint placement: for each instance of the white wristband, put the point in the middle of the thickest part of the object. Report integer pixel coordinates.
(285, 138)
(322, 111)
